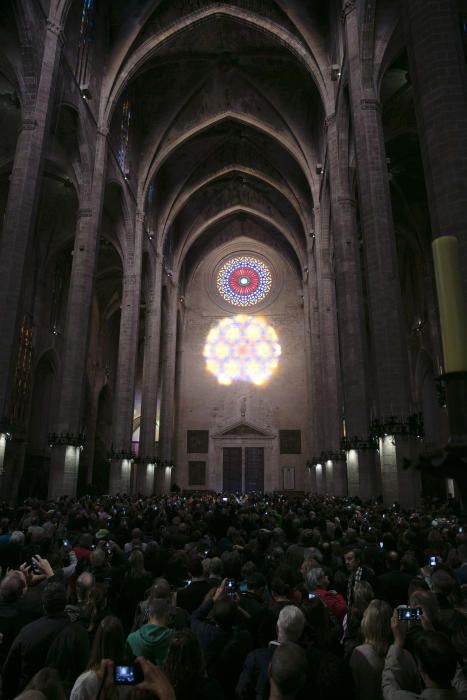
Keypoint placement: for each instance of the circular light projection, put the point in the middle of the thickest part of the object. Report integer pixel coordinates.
(242, 348)
(244, 281)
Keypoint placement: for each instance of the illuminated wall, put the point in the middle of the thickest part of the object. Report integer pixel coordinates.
(242, 363)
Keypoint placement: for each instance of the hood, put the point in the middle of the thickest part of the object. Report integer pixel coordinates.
(154, 635)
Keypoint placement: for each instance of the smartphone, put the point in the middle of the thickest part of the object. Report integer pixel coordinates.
(66, 543)
(381, 544)
(461, 529)
(311, 596)
(225, 499)
(408, 614)
(35, 566)
(433, 561)
(230, 587)
(243, 587)
(127, 675)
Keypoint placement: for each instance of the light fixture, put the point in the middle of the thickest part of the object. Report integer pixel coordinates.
(335, 72)
(85, 92)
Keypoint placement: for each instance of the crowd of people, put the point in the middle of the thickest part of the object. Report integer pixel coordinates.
(234, 597)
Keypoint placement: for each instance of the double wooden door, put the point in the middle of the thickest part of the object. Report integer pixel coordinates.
(243, 469)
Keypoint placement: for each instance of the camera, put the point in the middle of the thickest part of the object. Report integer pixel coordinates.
(230, 587)
(409, 614)
(127, 675)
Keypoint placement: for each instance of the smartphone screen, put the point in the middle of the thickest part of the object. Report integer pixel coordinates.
(409, 613)
(230, 586)
(126, 675)
(433, 561)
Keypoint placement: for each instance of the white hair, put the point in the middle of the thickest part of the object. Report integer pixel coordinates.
(290, 624)
(17, 537)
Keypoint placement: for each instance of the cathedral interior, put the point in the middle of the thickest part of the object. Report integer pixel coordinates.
(233, 247)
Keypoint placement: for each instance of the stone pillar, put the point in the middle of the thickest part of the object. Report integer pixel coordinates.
(389, 361)
(152, 342)
(330, 398)
(64, 470)
(122, 424)
(438, 73)
(166, 431)
(351, 315)
(320, 480)
(311, 438)
(19, 219)
(313, 348)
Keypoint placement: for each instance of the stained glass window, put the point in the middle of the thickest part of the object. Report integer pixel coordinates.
(85, 38)
(124, 136)
(242, 348)
(244, 281)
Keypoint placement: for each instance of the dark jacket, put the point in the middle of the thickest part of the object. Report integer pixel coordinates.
(253, 683)
(193, 595)
(225, 649)
(28, 653)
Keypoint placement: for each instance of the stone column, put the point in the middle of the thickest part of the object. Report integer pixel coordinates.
(438, 73)
(152, 343)
(311, 437)
(389, 361)
(64, 466)
(21, 208)
(330, 398)
(313, 348)
(351, 315)
(122, 424)
(166, 431)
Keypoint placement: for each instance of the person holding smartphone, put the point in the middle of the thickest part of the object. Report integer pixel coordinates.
(109, 643)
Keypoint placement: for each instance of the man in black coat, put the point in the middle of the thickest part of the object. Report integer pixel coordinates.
(394, 584)
(41, 642)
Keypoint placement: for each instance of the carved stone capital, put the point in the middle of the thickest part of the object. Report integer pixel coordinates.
(28, 124)
(371, 104)
(348, 7)
(55, 28)
(102, 130)
(84, 212)
(140, 216)
(346, 201)
(330, 119)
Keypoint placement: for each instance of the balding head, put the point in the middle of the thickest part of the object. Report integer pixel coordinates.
(288, 669)
(392, 560)
(84, 583)
(160, 589)
(12, 587)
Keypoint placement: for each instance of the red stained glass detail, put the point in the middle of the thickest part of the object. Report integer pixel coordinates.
(244, 281)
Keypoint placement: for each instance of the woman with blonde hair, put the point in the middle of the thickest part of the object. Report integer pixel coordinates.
(367, 659)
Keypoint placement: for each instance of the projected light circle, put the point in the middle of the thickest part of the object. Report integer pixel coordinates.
(242, 348)
(244, 281)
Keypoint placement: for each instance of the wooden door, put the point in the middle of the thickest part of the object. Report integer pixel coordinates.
(232, 469)
(254, 469)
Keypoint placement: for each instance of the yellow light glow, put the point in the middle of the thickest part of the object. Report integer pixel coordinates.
(242, 348)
